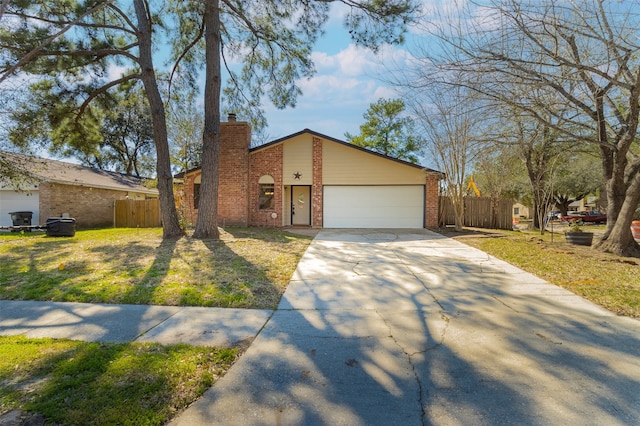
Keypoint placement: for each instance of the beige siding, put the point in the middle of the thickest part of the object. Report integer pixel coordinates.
(343, 165)
(297, 158)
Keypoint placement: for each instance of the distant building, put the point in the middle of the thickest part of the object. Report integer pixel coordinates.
(66, 189)
(520, 211)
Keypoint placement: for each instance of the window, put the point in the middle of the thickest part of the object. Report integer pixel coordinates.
(516, 211)
(196, 195)
(265, 197)
(266, 187)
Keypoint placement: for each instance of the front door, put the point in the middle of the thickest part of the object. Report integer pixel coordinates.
(301, 205)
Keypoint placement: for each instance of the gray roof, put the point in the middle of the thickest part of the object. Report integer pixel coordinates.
(55, 171)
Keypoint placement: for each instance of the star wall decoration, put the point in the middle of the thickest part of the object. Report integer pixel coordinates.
(297, 175)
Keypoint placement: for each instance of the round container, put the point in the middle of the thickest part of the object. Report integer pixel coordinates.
(635, 229)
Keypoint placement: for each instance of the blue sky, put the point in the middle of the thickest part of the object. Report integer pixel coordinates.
(334, 100)
(348, 77)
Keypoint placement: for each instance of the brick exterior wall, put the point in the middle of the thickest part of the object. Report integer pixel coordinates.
(90, 207)
(266, 162)
(316, 188)
(233, 180)
(233, 207)
(432, 201)
(185, 198)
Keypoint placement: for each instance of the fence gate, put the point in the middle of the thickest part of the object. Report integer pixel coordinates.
(137, 213)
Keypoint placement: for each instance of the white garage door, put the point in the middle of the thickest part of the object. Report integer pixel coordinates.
(373, 206)
(12, 201)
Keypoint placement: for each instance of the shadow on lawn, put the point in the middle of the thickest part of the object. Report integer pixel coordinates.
(103, 383)
(29, 262)
(247, 269)
(218, 277)
(242, 283)
(272, 234)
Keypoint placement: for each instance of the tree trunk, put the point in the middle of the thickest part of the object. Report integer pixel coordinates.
(207, 223)
(618, 238)
(168, 213)
(562, 203)
(536, 213)
(458, 210)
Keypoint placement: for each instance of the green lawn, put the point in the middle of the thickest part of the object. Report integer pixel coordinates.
(610, 281)
(248, 268)
(76, 383)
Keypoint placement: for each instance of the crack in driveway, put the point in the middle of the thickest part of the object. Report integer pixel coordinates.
(422, 391)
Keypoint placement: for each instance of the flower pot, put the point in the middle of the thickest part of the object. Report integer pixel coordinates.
(579, 238)
(635, 229)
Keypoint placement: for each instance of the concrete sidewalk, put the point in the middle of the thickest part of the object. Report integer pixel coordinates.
(123, 323)
(395, 327)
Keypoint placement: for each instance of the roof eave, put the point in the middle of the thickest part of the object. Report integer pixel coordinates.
(112, 188)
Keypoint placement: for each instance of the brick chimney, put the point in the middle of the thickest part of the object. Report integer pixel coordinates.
(233, 203)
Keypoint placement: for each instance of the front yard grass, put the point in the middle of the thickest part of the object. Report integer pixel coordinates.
(610, 281)
(76, 383)
(68, 382)
(247, 268)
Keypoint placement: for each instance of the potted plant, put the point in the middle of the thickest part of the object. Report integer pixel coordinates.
(575, 234)
(635, 225)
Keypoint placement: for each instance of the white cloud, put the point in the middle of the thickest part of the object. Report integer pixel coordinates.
(384, 92)
(351, 61)
(337, 12)
(351, 76)
(456, 16)
(355, 61)
(348, 80)
(335, 99)
(431, 8)
(114, 72)
(329, 87)
(323, 60)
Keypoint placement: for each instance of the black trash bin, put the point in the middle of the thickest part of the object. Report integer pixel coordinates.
(21, 219)
(61, 227)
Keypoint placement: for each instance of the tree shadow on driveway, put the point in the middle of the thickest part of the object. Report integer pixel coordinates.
(387, 327)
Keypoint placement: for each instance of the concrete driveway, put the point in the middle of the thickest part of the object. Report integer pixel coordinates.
(388, 327)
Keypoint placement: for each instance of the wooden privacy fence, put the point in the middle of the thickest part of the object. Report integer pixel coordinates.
(479, 212)
(137, 213)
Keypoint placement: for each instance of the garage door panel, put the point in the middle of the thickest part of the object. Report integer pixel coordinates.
(373, 206)
(13, 201)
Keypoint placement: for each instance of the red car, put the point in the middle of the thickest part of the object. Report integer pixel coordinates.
(593, 216)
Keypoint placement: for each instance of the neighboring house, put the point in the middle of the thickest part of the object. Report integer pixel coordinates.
(310, 179)
(520, 211)
(65, 189)
(585, 204)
